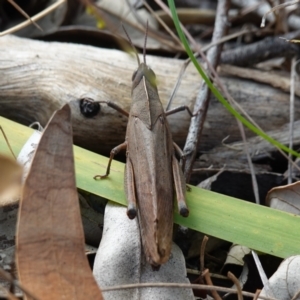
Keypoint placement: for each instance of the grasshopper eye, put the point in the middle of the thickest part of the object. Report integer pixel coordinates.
(133, 75)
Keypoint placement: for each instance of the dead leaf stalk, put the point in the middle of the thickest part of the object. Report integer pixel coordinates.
(181, 286)
(256, 294)
(237, 284)
(202, 253)
(209, 282)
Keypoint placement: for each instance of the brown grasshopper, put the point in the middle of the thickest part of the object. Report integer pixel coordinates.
(152, 170)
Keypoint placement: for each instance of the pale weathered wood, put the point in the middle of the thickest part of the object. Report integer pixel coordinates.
(233, 156)
(39, 77)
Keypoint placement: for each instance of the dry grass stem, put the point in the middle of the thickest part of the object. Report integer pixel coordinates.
(292, 116)
(181, 286)
(209, 282)
(18, 8)
(262, 274)
(202, 253)
(33, 19)
(276, 7)
(256, 294)
(197, 54)
(251, 167)
(165, 8)
(163, 24)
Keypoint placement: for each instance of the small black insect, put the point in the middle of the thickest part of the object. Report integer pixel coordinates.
(88, 107)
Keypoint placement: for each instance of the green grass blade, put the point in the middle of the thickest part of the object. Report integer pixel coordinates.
(258, 227)
(217, 93)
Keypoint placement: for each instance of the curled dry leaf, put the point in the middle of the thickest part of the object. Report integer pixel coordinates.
(120, 260)
(50, 241)
(235, 258)
(286, 198)
(10, 179)
(285, 282)
(13, 191)
(236, 255)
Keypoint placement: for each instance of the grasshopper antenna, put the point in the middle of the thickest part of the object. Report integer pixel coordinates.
(134, 49)
(145, 43)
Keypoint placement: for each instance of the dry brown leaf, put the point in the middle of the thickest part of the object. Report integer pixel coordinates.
(10, 179)
(50, 241)
(286, 198)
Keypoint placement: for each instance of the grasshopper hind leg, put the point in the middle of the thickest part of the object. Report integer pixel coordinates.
(180, 187)
(129, 187)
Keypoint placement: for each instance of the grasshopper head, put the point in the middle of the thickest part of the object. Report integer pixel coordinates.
(143, 71)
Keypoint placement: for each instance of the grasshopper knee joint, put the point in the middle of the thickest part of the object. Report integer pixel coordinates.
(131, 212)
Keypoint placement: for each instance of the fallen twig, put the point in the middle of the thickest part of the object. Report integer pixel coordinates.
(202, 100)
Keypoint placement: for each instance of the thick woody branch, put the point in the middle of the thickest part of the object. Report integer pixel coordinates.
(40, 77)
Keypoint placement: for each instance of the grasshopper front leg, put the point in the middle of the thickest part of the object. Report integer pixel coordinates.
(113, 152)
(180, 108)
(120, 147)
(180, 188)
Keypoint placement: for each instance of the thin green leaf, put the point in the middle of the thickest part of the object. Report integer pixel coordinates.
(258, 227)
